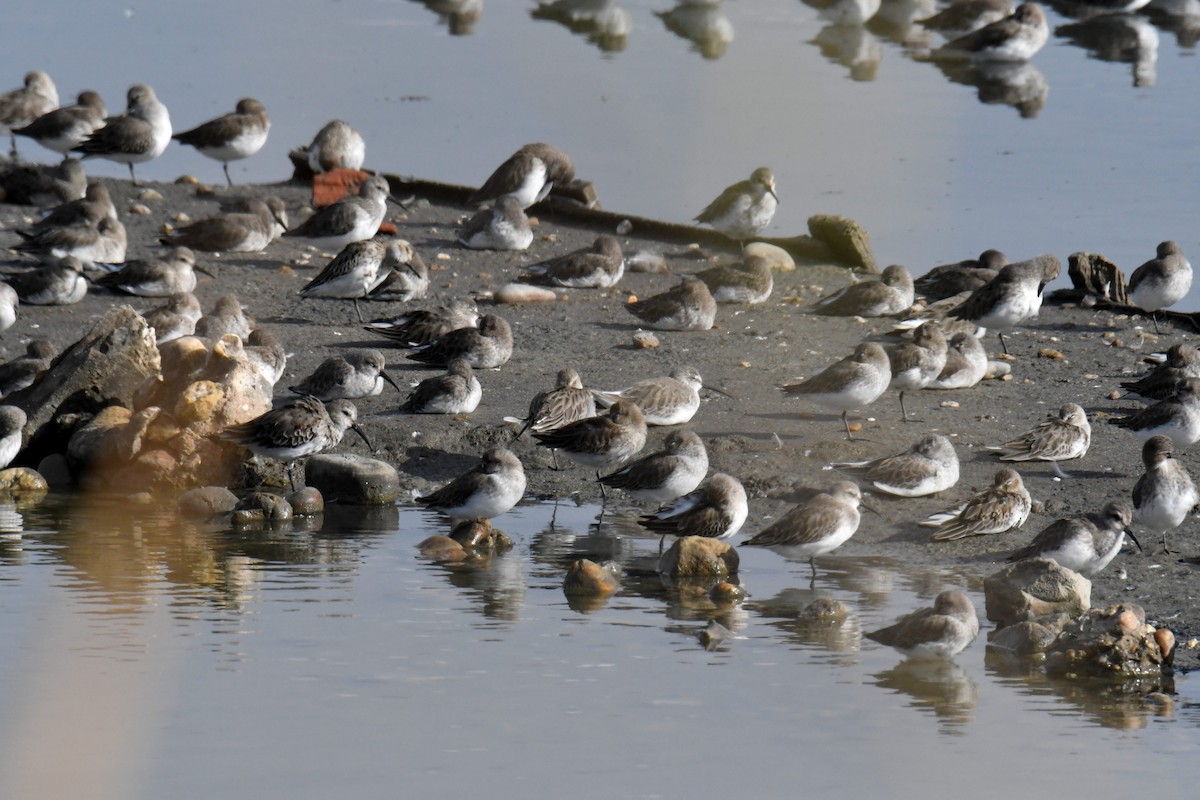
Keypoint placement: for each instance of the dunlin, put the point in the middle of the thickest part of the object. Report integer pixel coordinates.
(174, 319)
(854, 382)
(264, 352)
(487, 347)
(63, 128)
(891, 294)
(12, 425)
(1001, 507)
(351, 219)
(1060, 437)
(456, 392)
(423, 325)
(966, 363)
(20, 107)
(744, 208)
(230, 137)
(171, 274)
(8, 306)
(928, 467)
(1177, 417)
(504, 226)
(1015, 38)
(359, 373)
(666, 400)
(716, 509)
(227, 316)
(942, 631)
(103, 243)
(597, 267)
(749, 281)
(59, 284)
(354, 272)
(95, 205)
(406, 276)
(21, 372)
(567, 402)
(141, 134)
(1012, 297)
(963, 276)
(37, 185)
(687, 307)
(484, 492)
(336, 146)
(1084, 544)
(528, 175)
(1165, 494)
(1182, 361)
(600, 443)
(248, 231)
(669, 473)
(917, 363)
(967, 15)
(1161, 282)
(815, 527)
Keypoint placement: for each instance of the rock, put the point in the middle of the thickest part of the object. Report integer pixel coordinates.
(1113, 643)
(348, 478)
(23, 481)
(698, 556)
(645, 340)
(207, 502)
(713, 635)
(781, 260)
(442, 548)
(524, 293)
(1022, 638)
(725, 593)
(846, 238)
(823, 611)
(258, 507)
(647, 261)
(1032, 588)
(306, 502)
(58, 475)
(479, 536)
(588, 578)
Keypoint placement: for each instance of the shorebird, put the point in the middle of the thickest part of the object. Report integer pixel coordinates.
(1182, 361)
(744, 208)
(1165, 494)
(63, 128)
(1084, 544)
(1015, 38)
(356, 270)
(891, 294)
(38, 185)
(600, 443)
(749, 281)
(456, 392)
(854, 382)
(8, 306)
(917, 363)
(103, 243)
(943, 631)
(174, 319)
(359, 373)
(667, 474)
(12, 425)
(299, 429)
(21, 372)
(967, 15)
(928, 467)
(1177, 417)
(504, 226)
(423, 325)
(687, 307)
(264, 352)
(1001, 507)
(487, 347)
(963, 276)
(716, 509)
(58, 284)
(230, 137)
(141, 134)
(22, 106)
(527, 176)
(1012, 297)
(336, 146)
(95, 205)
(597, 267)
(815, 527)
(1161, 282)
(666, 400)
(406, 277)
(1060, 437)
(966, 363)
(351, 219)
(227, 316)
(248, 231)
(486, 491)
(174, 273)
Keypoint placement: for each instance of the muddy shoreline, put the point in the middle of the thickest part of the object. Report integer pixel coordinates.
(776, 446)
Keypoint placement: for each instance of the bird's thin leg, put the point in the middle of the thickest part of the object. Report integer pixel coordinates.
(225, 165)
(1058, 470)
(1003, 346)
(358, 310)
(846, 425)
(603, 494)
(133, 175)
(903, 412)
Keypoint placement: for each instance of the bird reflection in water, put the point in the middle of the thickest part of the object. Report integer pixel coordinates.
(1123, 38)
(703, 23)
(939, 686)
(460, 16)
(603, 22)
(1013, 83)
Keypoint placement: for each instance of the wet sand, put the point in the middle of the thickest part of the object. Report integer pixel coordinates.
(775, 445)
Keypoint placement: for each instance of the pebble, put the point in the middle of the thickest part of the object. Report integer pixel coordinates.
(524, 293)
(354, 479)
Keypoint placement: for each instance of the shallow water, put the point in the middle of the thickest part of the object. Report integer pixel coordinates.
(846, 116)
(141, 660)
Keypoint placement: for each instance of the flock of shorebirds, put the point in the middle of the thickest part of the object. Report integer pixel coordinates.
(604, 431)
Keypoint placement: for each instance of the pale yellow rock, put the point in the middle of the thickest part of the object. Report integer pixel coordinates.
(524, 293)
(780, 259)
